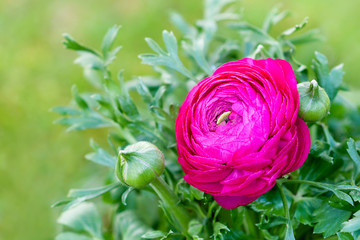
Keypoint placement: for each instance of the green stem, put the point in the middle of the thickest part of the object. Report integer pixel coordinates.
(284, 201)
(171, 203)
(250, 223)
(316, 184)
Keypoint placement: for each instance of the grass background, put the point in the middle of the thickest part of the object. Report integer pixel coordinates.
(39, 162)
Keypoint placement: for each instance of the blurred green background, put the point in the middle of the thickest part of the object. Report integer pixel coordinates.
(39, 162)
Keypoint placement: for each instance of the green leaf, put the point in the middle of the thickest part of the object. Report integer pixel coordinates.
(82, 195)
(153, 234)
(274, 17)
(237, 235)
(170, 43)
(329, 80)
(294, 29)
(144, 92)
(305, 208)
(72, 236)
(197, 52)
(258, 34)
(217, 227)
(307, 37)
(354, 155)
(268, 222)
(169, 59)
(338, 193)
(195, 227)
(196, 193)
(70, 43)
(78, 99)
(89, 121)
(65, 110)
(270, 203)
(109, 39)
(353, 224)
(128, 226)
(60, 203)
(289, 234)
(344, 236)
(83, 217)
(329, 220)
(186, 29)
(89, 60)
(100, 156)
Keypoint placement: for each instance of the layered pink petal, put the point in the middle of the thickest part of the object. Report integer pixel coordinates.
(239, 159)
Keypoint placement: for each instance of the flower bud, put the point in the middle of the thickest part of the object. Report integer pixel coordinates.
(314, 102)
(139, 164)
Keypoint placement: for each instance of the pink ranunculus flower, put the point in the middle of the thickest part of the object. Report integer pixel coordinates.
(238, 130)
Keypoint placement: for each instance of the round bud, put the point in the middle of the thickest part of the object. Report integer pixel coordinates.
(139, 164)
(314, 102)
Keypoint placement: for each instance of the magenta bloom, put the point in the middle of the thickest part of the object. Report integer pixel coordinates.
(238, 130)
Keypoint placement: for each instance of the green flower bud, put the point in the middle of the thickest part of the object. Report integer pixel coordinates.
(314, 102)
(139, 164)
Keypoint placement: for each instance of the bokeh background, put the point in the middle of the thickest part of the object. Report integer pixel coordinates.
(39, 162)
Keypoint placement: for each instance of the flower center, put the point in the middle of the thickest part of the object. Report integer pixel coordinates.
(223, 117)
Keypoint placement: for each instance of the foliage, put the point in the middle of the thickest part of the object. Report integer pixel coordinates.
(322, 198)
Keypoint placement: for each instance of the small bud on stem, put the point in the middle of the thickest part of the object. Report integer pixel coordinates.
(314, 102)
(141, 164)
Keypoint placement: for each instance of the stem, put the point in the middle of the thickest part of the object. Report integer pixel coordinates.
(316, 184)
(284, 201)
(250, 223)
(171, 203)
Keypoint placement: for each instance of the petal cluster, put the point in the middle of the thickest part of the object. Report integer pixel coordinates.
(240, 157)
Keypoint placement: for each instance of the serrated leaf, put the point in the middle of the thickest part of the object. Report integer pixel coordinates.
(72, 236)
(353, 224)
(170, 43)
(269, 202)
(127, 225)
(169, 59)
(344, 236)
(100, 156)
(89, 121)
(305, 209)
(78, 99)
(329, 220)
(274, 17)
(154, 46)
(195, 227)
(354, 155)
(83, 217)
(86, 194)
(65, 110)
(159, 96)
(330, 81)
(70, 43)
(89, 60)
(198, 54)
(217, 228)
(294, 29)
(144, 92)
(268, 222)
(307, 37)
(259, 34)
(186, 29)
(109, 39)
(196, 193)
(153, 234)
